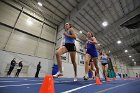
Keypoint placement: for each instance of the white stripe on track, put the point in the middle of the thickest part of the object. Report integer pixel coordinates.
(20, 81)
(20, 85)
(9, 81)
(75, 89)
(72, 90)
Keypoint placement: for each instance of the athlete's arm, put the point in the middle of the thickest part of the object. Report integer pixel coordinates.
(99, 58)
(94, 41)
(85, 46)
(108, 58)
(73, 33)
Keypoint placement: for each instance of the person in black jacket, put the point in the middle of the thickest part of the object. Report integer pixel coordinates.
(136, 75)
(12, 65)
(20, 65)
(38, 69)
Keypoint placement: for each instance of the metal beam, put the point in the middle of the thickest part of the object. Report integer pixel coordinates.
(134, 54)
(55, 7)
(62, 5)
(75, 11)
(130, 49)
(126, 38)
(48, 17)
(70, 3)
(117, 24)
(89, 22)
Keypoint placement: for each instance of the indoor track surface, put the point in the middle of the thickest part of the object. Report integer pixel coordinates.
(66, 85)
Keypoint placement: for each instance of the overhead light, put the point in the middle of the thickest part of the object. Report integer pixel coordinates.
(109, 51)
(119, 42)
(130, 56)
(99, 44)
(135, 63)
(126, 51)
(81, 32)
(39, 3)
(132, 59)
(104, 23)
(29, 21)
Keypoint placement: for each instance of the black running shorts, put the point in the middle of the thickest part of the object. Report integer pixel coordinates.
(70, 47)
(104, 64)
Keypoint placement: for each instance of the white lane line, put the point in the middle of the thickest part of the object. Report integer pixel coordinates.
(9, 81)
(72, 90)
(35, 80)
(20, 81)
(75, 89)
(20, 85)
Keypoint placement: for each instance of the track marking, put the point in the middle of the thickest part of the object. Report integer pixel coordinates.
(35, 80)
(75, 89)
(107, 89)
(101, 91)
(20, 85)
(9, 81)
(20, 81)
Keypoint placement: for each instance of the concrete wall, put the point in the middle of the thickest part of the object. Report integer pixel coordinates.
(133, 70)
(27, 36)
(30, 61)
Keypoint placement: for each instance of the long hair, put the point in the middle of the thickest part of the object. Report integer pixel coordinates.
(91, 34)
(70, 25)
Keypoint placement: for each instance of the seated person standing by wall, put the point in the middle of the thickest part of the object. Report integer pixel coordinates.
(20, 65)
(12, 65)
(38, 69)
(136, 75)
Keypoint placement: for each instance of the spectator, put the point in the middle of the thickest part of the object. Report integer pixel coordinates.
(20, 65)
(126, 75)
(123, 75)
(38, 69)
(12, 65)
(136, 75)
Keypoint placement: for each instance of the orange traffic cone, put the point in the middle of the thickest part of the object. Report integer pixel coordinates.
(108, 79)
(98, 82)
(48, 85)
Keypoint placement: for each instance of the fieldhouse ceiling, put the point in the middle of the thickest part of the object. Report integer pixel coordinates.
(88, 15)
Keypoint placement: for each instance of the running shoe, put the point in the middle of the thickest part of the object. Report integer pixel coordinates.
(85, 78)
(75, 79)
(58, 74)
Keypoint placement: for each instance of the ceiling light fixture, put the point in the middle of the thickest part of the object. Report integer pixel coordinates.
(81, 32)
(39, 3)
(135, 63)
(99, 44)
(119, 42)
(126, 51)
(105, 24)
(130, 56)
